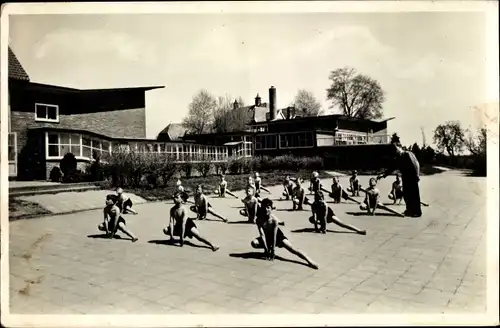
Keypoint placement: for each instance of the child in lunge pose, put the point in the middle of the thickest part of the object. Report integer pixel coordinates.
(354, 183)
(315, 184)
(222, 186)
(397, 190)
(257, 182)
(372, 198)
(288, 185)
(201, 206)
(337, 191)
(180, 189)
(271, 236)
(251, 205)
(299, 195)
(113, 220)
(182, 226)
(323, 214)
(124, 202)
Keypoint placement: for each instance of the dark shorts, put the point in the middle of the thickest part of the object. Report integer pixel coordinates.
(111, 224)
(187, 232)
(200, 210)
(280, 237)
(399, 194)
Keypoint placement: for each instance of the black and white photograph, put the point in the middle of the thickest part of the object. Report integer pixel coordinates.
(249, 163)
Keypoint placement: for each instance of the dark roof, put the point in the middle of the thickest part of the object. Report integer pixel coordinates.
(16, 70)
(324, 117)
(174, 131)
(84, 91)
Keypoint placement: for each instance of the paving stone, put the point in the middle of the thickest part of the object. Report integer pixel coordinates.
(436, 263)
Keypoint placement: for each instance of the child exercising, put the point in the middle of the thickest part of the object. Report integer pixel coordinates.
(113, 221)
(182, 226)
(315, 184)
(397, 190)
(323, 214)
(124, 202)
(337, 191)
(372, 197)
(354, 184)
(299, 195)
(271, 236)
(288, 185)
(251, 205)
(202, 207)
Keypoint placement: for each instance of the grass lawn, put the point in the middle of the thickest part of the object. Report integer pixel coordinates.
(21, 208)
(210, 183)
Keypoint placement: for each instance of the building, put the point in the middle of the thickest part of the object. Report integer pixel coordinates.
(344, 142)
(46, 122)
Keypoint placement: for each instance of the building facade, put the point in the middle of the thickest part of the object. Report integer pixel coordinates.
(46, 122)
(344, 142)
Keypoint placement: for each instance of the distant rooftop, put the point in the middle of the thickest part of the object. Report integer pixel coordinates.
(16, 70)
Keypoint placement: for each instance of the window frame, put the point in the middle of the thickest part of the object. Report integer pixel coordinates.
(300, 136)
(14, 145)
(262, 144)
(46, 119)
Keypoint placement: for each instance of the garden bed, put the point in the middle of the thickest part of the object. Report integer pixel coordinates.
(21, 208)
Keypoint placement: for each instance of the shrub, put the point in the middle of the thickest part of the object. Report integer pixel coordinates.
(187, 168)
(204, 167)
(221, 167)
(55, 174)
(234, 166)
(68, 164)
(246, 165)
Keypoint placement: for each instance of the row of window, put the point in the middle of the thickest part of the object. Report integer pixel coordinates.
(286, 140)
(59, 144)
(46, 112)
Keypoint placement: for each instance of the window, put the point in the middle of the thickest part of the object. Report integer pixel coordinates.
(268, 141)
(12, 153)
(323, 140)
(296, 140)
(46, 113)
(59, 144)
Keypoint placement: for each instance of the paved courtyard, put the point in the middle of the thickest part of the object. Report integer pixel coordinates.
(433, 264)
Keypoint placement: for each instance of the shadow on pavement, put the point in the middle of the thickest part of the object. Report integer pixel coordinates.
(311, 230)
(240, 222)
(104, 236)
(260, 256)
(376, 214)
(167, 242)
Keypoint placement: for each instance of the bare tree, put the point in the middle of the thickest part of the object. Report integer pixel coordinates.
(200, 115)
(476, 142)
(355, 94)
(450, 137)
(227, 118)
(306, 104)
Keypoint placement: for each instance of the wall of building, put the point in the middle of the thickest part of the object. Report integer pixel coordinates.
(49, 165)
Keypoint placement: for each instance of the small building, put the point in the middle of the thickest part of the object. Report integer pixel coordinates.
(46, 122)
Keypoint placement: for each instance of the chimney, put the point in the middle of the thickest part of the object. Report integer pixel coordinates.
(272, 103)
(235, 104)
(257, 101)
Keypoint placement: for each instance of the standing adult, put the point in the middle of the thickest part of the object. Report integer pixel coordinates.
(407, 164)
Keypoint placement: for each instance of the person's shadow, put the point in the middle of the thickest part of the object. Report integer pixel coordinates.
(376, 214)
(312, 230)
(169, 242)
(260, 256)
(104, 236)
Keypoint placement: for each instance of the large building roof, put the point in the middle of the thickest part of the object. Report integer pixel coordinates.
(16, 70)
(173, 132)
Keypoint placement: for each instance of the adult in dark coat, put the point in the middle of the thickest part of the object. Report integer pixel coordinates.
(407, 164)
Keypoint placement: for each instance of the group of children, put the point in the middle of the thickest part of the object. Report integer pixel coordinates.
(257, 210)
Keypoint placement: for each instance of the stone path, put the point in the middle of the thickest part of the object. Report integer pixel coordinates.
(433, 264)
(66, 202)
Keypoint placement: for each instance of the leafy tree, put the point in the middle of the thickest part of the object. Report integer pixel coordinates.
(200, 115)
(230, 119)
(306, 104)
(355, 94)
(449, 137)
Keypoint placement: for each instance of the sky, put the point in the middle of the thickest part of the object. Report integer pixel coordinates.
(431, 65)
